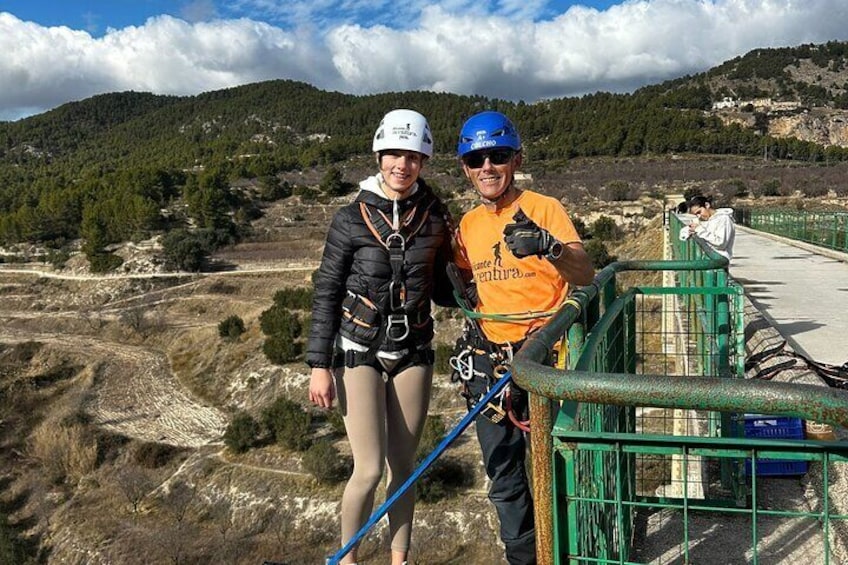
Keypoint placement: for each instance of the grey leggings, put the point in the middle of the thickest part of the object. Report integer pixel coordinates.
(384, 418)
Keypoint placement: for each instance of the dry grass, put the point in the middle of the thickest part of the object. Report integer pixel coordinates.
(67, 452)
(645, 244)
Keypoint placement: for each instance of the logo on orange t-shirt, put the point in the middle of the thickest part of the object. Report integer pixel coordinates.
(507, 285)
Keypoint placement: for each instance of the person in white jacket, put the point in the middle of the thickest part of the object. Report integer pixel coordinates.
(715, 226)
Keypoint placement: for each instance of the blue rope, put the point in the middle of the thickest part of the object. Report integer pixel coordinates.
(422, 467)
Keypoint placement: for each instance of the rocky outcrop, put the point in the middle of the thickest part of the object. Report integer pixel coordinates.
(823, 127)
(818, 125)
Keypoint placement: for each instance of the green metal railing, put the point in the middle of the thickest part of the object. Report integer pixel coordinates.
(825, 229)
(648, 417)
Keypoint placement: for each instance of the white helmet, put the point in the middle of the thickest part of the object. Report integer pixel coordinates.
(404, 129)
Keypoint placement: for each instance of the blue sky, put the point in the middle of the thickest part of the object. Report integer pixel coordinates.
(59, 51)
(96, 16)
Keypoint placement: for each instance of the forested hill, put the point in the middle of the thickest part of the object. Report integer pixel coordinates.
(136, 129)
(812, 75)
(104, 168)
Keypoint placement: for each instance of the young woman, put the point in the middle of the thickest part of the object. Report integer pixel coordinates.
(370, 341)
(715, 226)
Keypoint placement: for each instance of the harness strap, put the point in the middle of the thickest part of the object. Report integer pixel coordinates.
(381, 227)
(395, 237)
(353, 358)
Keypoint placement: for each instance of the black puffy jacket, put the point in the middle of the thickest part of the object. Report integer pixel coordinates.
(356, 263)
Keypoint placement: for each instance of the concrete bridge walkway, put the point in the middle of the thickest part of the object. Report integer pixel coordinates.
(801, 289)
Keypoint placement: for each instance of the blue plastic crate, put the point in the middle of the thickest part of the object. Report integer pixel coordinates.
(782, 427)
(776, 467)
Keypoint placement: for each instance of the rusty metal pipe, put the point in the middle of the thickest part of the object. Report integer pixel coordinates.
(808, 402)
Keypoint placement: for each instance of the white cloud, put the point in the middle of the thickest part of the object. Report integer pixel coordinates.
(496, 48)
(45, 67)
(199, 10)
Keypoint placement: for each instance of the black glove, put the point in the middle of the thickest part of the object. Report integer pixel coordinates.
(525, 238)
(466, 290)
(471, 294)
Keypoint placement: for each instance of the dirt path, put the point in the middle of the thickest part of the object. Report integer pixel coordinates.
(136, 394)
(50, 274)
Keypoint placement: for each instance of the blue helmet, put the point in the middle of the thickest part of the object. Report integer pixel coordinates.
(487, 130)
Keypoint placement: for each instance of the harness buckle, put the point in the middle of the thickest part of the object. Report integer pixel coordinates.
(493, 413)
(397, 323)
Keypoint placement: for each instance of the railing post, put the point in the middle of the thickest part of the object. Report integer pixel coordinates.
(542, 447)
(543, 412)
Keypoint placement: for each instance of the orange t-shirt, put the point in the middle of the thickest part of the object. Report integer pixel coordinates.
(506, 284)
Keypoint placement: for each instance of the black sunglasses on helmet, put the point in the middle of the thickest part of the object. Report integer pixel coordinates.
(476, 159)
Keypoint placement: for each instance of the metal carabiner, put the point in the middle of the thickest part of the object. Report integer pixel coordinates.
(397, 299)
(463, 364)
(393, 236)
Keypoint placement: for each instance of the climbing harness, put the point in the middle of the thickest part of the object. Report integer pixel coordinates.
(395, 234)
(511, 401)
(474, 345)
(352, 358)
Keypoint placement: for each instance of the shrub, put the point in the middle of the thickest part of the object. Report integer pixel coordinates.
(816, 190)
(431, 436)
(288, 423)
(618, 190)
(770, 187)
(22, 352)
(11, 549)
(455, 208)
(336, 421)
(276, 320)
(242, 432)
(294, 298)
(599, 254)
(444, 352)
(325, 463)
(66, 452)
(271, 188)
(282, 328)
(306, 194)
(104, 262)
(185, 250)
(231, 327)
(333, 184)
(154, 455)
(444, 478)
(135, 484)
(58, 258)
(580, 226)
(737, 188)
(281, 349)
(605, 229)
(220, 287)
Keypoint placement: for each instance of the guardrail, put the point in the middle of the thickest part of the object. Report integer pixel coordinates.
(825, 229)
(594, 449)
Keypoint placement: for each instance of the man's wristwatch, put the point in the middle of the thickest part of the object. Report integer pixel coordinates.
(554, 251)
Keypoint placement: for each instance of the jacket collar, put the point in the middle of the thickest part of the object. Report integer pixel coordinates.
(371, 193)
